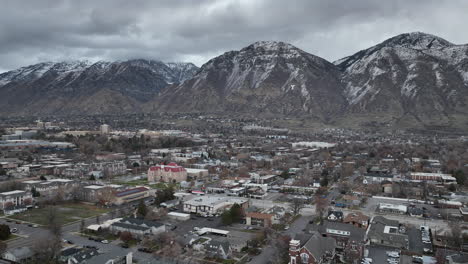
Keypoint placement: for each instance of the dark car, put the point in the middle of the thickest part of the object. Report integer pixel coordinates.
(174, 227)
(124, 245)
(146, 250)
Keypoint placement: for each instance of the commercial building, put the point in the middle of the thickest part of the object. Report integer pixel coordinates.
(433, 177)
(211, 205)
(393, 208)
(137, 227)
(386, 232)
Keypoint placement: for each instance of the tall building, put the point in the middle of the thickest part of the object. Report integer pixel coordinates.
(167, 173)
(105, 129)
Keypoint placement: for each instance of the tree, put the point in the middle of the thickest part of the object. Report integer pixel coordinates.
(4, 232)
(321, 205)
(296, 205)
(34, 192)
(456, 234)
(460, 176)
(3, 247)
(324, 182)
(141, 210)
(82, 225)
(47, 250)
(53, 223)
(236, 213)
(452, 187)
(226, 218)
(126, 237)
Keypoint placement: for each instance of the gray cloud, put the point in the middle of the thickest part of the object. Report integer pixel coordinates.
(197, 30)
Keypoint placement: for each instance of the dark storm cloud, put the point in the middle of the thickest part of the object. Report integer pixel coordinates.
(34, 31)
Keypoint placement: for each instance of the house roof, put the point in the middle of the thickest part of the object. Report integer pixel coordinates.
(381, 230)
(136, 224)
(21, 252)
(213, 246)
(318, 246)
(356, 217)
(337, 214)
(356, 233)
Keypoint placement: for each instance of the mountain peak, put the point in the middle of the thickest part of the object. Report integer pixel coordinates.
(417, 40)
(269, 44)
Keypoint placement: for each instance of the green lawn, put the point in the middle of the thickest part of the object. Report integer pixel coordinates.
(66, 213)
(132, 183)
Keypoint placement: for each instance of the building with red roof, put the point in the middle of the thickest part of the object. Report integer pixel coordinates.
(167, 173)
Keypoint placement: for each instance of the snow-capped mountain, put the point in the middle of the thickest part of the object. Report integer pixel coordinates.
(265, 77)
(413, 74)
(80, 86)
(409, 80)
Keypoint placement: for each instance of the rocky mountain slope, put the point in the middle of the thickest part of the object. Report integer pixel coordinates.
(410, 80)
(266, 78)
(82, 87)
(416, 75)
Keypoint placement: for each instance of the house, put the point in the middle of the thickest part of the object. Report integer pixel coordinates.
(218, 249)
(137, 227)
(335, 216)
(386, 232)
(349, 238)
(15, 201)
(18, 255)
(357, 219)
(76, 255)
(311, 249)
(167, 173)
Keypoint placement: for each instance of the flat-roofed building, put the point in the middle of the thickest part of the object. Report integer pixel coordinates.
(15, 201)
(434, 177)
(131, 195)
(210, 205)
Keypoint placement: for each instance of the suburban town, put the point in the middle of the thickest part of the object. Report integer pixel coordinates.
(228, 191)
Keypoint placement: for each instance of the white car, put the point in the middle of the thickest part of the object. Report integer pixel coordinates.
(105, 242)
(14, 230)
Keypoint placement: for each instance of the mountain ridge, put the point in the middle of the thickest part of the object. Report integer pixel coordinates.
(409, 78)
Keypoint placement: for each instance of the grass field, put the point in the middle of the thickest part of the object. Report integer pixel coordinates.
(66, 213)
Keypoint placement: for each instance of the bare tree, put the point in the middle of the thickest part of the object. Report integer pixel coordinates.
(456, 234)
(321, 205)
(3, 247)
(296, 205)
(47, 250)
(53, 223)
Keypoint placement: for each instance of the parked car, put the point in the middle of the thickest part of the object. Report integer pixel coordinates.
(105, 241)
(14, 230)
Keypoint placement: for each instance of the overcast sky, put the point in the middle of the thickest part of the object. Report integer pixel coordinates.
(195, 31)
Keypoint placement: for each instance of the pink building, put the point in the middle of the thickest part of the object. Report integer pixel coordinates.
(167, 173)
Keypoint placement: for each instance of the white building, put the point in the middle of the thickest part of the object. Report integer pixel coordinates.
(15, 201)
(105, 129)
(210, 205)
